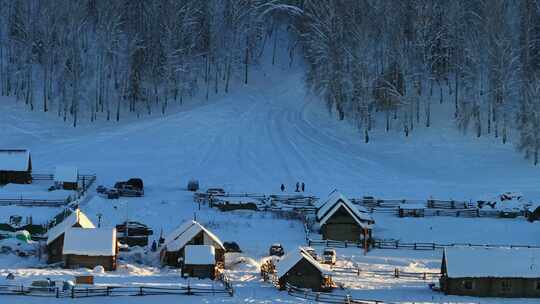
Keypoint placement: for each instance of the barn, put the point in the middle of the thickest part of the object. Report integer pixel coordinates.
(189, 233)
(200, 261)
(299, 269)
(15, 166)
(493, 272)
(66, 178)
(55, 235)
(90, 247)
(341, 220)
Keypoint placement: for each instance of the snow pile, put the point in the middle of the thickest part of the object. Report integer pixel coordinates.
(90, 242)
(508, 202)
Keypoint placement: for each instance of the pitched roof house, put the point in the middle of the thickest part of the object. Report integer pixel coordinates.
(189, 233)
(341, 220)
(90, 248)
(15, 166)
(299, 269)
(55, 235)
(492, 272)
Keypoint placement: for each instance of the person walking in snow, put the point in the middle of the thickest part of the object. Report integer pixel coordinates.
(297, 187)
(303, 186)
(282, 187)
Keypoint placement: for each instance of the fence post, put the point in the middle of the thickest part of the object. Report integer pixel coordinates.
(57, 292)
(425, 276)
(141, 292)
(108, 291)
(396, 273)
(72, 292)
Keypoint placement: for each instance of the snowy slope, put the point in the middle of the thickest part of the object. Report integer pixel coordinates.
(252, 140)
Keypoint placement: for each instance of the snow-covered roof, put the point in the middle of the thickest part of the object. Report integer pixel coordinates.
(291, 259)
(463, 262)
(177, 239)
(200, 255)
(75, 217)
(66, 174)
(91, 242)
(14, 160)
(335, 202)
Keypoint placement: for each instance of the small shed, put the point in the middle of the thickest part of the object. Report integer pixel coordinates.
(299, 269)
(493, 272)
(15, 166)
(189, 233)
(200, 261)
(341, 220)
(55, 235)
(67, 177)
(90, 248)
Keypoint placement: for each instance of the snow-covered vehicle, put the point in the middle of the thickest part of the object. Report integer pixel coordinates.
(101, 189)
(215, 191)
(112, 194)
(277, 250)
(231, 247)
(329, 256)
(129, 190)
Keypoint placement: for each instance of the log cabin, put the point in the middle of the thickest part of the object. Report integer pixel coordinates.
(15, 166)
(339, 219)
(55, 235)
(299, 269)
(189, 233)
(491, 272)
(89, 248)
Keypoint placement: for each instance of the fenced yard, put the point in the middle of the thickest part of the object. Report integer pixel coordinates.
(326, 297)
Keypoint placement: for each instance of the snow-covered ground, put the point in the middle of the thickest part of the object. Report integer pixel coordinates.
(252, 140)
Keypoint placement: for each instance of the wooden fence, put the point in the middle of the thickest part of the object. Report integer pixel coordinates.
(386, 244)
(323, 297)
(395, 273)
(110, 291)
(28, 202)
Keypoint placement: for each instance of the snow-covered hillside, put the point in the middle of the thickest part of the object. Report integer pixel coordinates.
(268, 133)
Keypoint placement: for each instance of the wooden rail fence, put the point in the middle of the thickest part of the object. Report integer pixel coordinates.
(323, 297)
(110, 291)
(395, 273)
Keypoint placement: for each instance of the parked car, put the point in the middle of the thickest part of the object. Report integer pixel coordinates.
(136, 183)
(101, 189)
(277, 250)
(329, 256)
(129, 190)
(310, 251)
(215, 191)
(112, 194)
(231, 247)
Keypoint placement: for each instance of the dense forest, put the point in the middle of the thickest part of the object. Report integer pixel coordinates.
(369, 60)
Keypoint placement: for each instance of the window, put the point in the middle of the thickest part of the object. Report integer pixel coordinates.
(468, 284)
(506, 286)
